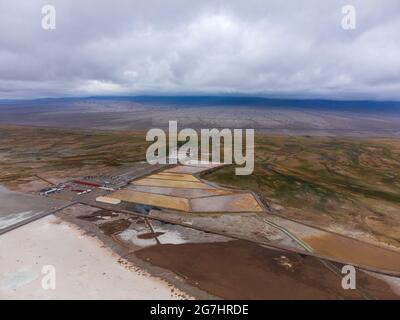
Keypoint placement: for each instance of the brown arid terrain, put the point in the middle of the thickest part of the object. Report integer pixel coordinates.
(347, 185)
(323, 183)
(30, 154)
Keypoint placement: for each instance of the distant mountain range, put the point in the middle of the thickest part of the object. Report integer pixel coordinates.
(277, 116)
(198, 101)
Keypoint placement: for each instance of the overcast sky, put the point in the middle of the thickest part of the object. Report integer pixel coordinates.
(269, 48)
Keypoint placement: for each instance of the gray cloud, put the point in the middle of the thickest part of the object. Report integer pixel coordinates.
(278, 48)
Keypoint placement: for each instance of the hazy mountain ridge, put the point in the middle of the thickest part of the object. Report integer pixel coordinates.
(303, 117)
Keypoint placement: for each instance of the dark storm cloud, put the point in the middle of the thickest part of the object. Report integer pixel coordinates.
(286, 48)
